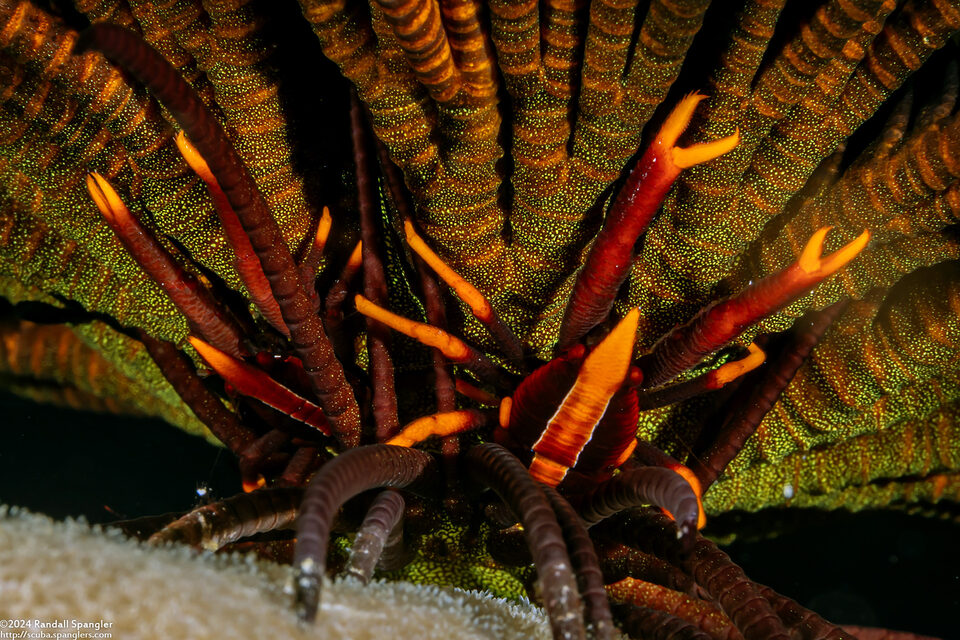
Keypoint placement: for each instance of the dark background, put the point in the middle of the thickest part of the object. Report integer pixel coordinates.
(885, 569)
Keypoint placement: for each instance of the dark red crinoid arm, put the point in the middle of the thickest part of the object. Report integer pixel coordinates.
(203, 314)
(720, 323)
(611, 255)
(127, 50)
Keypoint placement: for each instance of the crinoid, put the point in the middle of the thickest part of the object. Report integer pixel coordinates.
(596, 356)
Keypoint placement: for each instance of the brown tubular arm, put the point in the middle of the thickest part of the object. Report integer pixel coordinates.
(497, 468)
(128, 51)
(347, 475)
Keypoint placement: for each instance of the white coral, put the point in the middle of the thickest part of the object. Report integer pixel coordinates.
(69, 571)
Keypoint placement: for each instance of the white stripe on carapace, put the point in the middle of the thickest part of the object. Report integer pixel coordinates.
(600, 376)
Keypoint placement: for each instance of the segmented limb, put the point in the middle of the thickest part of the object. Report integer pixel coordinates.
(215, 525)
(658, 486)
(453, 348)
(701, 614)
(333, 302)
(347, 475)
(250, 381)
(179, 372)
(190, 297)
(651, 624)
(611, 255)
(585, 564)
(723, 321)
(130, 52)
(374, 282)
(809, 625)
(440, 424)
(619, 561)
(444, 385)
(495, 467)
(382, 527)
(557, 421)
(712, 569)
(244, 258)
(310, 264)
(259, 456)
(303, 463)
(771, 381)
(480, 307)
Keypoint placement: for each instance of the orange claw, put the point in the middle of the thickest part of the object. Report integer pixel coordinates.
(438, 424)
(720, 323)
(250, 381)
(676, 123)
(245, 260)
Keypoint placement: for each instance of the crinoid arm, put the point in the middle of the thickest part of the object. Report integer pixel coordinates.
(492, 465)
(345, 476)
(309, 340)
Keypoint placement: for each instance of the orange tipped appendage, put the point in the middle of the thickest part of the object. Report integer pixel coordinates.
(611, 255)
(601, 374)
(323, 232)
(245, 259)
(813, 265)
(451, 347)
(478, 304)
(187, 295)
(720, 323)
(252, 382)
(354, 261)
(438, 424)
(252, 484)
(480, 307)
(729, 372)
(676, 124)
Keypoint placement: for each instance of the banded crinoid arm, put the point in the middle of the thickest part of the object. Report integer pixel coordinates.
(345, 476)
(711, 221)
(608, 262)
(380, 534)
(81, 115)
(53, 363)
(307, 334)
(721, 322)
(215, 525)
(432, 98)
(653, 597)
(863, 410)
(576, 126)
(490, 465)
(909, 195)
